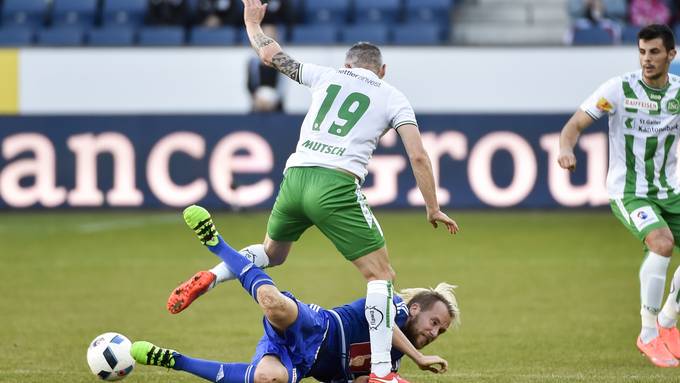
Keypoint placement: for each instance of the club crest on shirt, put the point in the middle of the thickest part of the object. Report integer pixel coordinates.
(640, 104)
(673, 106)
(604, 105)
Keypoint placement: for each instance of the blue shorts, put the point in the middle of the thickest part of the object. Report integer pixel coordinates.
(298, 346)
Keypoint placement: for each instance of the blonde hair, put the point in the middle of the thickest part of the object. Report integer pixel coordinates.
(444, 292)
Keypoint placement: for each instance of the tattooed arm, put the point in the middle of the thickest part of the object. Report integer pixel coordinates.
(267, 48)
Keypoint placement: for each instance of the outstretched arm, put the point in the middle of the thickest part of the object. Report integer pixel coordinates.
(569, 136)
(267, 48)
(422, 170)
(431, 363)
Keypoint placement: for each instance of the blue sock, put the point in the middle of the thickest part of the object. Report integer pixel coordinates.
(215, 371)
(233, 259)
(250, 276)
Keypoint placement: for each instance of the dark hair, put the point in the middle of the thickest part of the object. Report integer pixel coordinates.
(427, 299)
(364, 55)
(654, 31)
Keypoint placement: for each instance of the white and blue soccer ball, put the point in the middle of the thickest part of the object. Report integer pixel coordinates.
(109, 356)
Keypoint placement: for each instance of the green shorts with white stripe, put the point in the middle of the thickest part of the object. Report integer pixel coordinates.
(643, 215)
(330, 200)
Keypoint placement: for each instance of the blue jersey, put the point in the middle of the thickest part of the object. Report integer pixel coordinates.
(346, 350)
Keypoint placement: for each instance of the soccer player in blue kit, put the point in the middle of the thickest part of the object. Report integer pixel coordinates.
(305, 340)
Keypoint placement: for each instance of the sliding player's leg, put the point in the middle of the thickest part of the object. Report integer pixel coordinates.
(201, 282)
(285, 225)
(147, 353)
(250, 276)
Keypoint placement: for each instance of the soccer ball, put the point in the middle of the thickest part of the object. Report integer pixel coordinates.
(109, 356)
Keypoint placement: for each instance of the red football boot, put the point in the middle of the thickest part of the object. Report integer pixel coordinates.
(188, 291)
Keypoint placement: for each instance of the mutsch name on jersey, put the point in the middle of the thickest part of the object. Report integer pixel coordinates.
(323, 148)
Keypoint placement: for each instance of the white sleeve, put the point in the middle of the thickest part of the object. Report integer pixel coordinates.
(604, 100)
(400, 111)
(311, 74)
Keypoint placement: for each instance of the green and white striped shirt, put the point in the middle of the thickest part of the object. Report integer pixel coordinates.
(644, 125)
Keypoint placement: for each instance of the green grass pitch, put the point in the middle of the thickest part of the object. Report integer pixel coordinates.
(545, 296)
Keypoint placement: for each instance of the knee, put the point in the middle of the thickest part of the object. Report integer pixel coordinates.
(271, 300)
(662, 245)
(271, 374)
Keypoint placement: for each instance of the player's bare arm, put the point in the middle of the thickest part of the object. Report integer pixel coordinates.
(569, 136)
(422, 171)
(286, 65)
(430, 363)
(267, 48)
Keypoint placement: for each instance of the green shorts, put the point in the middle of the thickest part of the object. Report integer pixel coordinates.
(642, 215)
(332, 201)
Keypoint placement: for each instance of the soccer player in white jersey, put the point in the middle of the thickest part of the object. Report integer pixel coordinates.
(352, 107)
(644, 118)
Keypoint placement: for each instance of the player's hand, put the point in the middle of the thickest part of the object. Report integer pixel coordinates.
(253, 11)
(361, 379)
(567, 160)
(432, 363)
(439, 216)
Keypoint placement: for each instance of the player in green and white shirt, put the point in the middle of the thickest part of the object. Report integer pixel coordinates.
(365, 106)
(352, 107)
(644, 128)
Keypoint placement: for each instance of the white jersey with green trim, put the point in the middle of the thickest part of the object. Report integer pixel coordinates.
(643, 135)
(351, 109)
